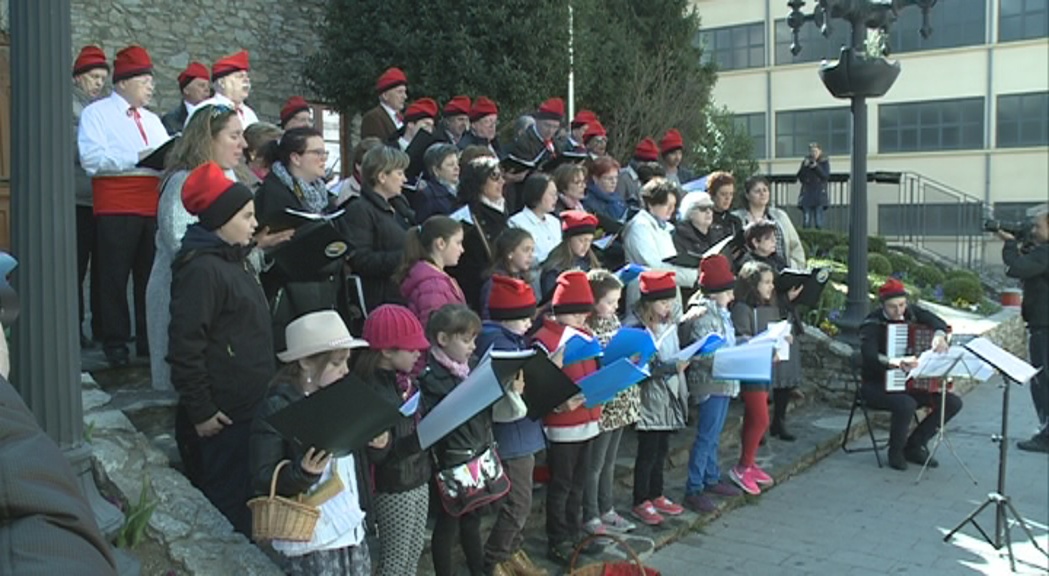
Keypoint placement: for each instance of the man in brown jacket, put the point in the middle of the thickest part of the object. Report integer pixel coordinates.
(385, 119)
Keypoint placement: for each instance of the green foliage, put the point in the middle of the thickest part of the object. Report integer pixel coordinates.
(819, 243)
(137, 517)
(89, 431)
(840, 253)
(927, 276)
(964, 289)
(902, 263)
(963, 273)
(723, 145)
(879, 264)
(877, 245)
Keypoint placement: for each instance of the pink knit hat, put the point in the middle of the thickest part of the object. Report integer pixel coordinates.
(394, 327)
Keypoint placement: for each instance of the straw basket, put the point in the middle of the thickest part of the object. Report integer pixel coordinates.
(277, 518)
(599, 568)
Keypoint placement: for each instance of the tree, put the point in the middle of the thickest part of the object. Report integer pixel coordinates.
(513, 51)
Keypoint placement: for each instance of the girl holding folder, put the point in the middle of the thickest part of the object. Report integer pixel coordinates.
(319, 345)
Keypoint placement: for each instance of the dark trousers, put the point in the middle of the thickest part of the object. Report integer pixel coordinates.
(86, 261)
(507, 533)
(568, 463)
(652, 449)
(125, 248)
(466, 530)
(902, 405)
(1038, 346)
(218, 466)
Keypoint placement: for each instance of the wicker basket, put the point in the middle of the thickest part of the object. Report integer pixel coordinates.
(277, 518)
(599, 568)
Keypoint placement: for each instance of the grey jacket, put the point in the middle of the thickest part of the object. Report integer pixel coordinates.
(664, 396)
(715, 320)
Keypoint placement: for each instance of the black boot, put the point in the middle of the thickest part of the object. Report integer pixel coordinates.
(897, 460)
(778, 428)
(916, 453)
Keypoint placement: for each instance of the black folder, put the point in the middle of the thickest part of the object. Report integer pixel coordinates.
(546, 386)
(338, 418)
(813, 282)
(416, 151)
(684, 260)
(290, 218)
(311, 251)
(157, 158)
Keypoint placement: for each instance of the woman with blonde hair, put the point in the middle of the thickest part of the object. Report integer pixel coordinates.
(258, 135)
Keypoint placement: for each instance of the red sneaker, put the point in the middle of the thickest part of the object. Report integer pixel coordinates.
(761, 477)
(647, 514)
(663, 505)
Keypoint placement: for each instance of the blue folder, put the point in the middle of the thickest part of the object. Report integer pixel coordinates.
(630, 342)
(578, 348)
(628, 273)
(603, 385)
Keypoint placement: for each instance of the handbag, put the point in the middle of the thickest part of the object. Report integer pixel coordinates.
(472, 484)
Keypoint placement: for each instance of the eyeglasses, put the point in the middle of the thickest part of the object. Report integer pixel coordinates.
(318, 151)
(497, 175)
(705, 208)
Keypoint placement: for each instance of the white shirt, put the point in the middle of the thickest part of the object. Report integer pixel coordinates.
(341, 523)
(109, 140)
(247, 115)
(546, 232)
(648, 244)
(394, 115)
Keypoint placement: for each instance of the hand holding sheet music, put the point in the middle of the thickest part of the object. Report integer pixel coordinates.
(779, 334)
(956, 362)
(603, 385)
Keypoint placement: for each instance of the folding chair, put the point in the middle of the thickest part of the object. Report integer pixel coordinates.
(858, 402)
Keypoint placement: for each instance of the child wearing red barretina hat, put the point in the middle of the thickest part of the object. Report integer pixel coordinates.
(664, 398)
(709, 313)
(571, 427)
(511, 308)
(402, 470)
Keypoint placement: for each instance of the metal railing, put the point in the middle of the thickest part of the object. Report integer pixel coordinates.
(903, 208)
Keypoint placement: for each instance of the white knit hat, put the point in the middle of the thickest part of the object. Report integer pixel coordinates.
(317, 332)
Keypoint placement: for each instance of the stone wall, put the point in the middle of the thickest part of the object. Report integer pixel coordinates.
(278, 35)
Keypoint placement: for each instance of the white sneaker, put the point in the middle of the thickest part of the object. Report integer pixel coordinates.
(616, 523)
(594, 526)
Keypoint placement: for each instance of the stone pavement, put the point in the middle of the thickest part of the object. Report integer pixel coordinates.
(844, 516)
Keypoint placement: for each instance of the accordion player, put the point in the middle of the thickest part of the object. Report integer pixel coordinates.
(885, 360)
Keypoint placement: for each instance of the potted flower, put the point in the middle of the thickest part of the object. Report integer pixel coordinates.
(866, 74)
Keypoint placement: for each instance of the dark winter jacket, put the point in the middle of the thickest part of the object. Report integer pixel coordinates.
(433, 198)
(402, 465)
(1033, 269)
(468, 440)
(548, 277)
(220, 341)
(471, 139)
(872, 340)
(478, 241)
(267, 448)
(272, 198)
(522, 437)
(376, 232)
(814, 183)
(601, 203)
(689, 240)
(774, 261)
(175, 120)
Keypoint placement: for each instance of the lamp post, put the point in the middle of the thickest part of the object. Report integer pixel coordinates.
(859, 73)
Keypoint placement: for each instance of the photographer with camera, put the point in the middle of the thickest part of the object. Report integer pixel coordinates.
(1031, 265)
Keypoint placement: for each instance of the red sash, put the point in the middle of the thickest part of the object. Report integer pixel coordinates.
(134, 195)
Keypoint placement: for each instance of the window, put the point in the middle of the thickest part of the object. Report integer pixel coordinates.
(814, 47)
(830, 127)
(735, 47)
(931, 125)
(1023, 19)
(1023, 120)
(957, 23)
(754, 126)
(331, 127)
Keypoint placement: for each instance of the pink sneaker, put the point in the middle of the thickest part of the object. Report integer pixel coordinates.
(647, 514)
(761, 477)
(663, 505)
(742, 478)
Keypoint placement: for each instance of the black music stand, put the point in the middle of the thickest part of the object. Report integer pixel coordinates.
(1015, 370)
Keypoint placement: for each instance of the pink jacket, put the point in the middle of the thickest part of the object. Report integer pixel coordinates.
(425, 289)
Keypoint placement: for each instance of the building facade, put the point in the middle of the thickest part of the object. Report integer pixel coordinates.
(970, 109)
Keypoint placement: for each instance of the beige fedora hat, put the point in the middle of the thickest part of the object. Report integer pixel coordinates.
(317, 332)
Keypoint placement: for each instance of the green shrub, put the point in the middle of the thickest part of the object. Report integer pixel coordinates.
(962, 288)
(927, 276)
(902, 263)
(878, 264)
(818, 243)
(963, 273)
(840, 253)
(877, 244)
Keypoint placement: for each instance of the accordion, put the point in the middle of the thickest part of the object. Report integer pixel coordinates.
(901, 340)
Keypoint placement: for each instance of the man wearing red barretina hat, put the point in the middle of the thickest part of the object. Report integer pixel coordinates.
(420, 115)
(455, 119)
(877, 361)
(115, 133)
(385, 119)
(195, 84)
(671, 152)
(232, 84)
(295, 113)
(90, 71)
(484, 124)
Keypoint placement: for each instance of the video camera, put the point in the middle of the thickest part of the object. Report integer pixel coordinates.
(1020, 230)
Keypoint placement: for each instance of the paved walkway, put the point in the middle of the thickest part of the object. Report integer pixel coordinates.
(844, 516)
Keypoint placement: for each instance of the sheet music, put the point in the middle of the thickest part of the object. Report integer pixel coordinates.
(1010, 366)
(777, 333)
(463, 215)
(603, 242)
(314, 216)
(411, 405)
(751, 361)
(706, 345)
(956, 362)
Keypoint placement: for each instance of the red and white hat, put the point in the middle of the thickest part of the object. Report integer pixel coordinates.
(192, 72)
(130, 62)
(391, 78)
(291, 107)
(482, 107)
(90, 58)
(671, 141)
(551, 109)
(892, 288)
(510, 299)
(715, 274)
(212, 197)
(457, 106)
(572, 294)
(657, 285)
(646, 150)
(421, 108)
(577, 222)
(233, 63)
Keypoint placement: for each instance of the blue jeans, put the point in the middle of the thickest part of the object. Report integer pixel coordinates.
(812, 217)
(703, 467)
